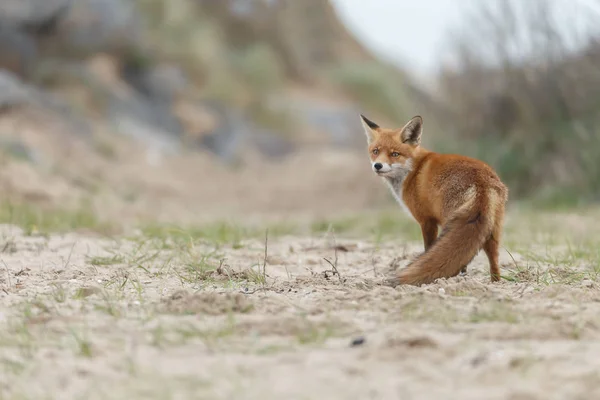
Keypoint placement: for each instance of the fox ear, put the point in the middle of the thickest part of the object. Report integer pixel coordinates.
(411, 132)
(369, 126)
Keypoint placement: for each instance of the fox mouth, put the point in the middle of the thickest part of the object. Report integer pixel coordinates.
(391, 170)
(381, 169)
(394, 171)
(384, 174)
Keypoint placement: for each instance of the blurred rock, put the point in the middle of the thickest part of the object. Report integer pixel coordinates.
(33, 29)
(227, 131)
(234, 133)
(147, 121)
(91, 26)
(339, 124)
(14, 92)
(271, 144)
(16, 148)
(335, 121)
(20, 22)
(18, 52)
(73, 28)
(126, 110)
(31, 13)
(227, 137)
(160, 82)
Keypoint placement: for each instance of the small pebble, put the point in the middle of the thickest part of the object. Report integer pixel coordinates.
(359, 341)
(441, 291)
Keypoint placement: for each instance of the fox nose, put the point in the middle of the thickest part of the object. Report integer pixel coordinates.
(378, 166)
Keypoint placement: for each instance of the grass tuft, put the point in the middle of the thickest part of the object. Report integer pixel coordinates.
(44, 220)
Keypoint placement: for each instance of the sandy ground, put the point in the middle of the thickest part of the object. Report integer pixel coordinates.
(198, 313)
(85, 317)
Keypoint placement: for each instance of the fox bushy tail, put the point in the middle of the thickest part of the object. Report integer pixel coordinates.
(461, 239)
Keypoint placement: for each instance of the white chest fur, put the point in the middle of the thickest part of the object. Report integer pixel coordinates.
(396, 188)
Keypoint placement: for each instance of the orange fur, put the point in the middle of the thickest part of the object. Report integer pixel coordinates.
(462, 195)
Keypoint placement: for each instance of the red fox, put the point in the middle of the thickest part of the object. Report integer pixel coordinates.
(462, 195)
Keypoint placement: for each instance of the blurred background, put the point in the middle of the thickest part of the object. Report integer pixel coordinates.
(186, 110)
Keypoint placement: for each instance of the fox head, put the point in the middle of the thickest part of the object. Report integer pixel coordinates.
(392, 150)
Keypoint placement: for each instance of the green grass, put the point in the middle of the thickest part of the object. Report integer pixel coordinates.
(199, 267)
(376, 226)
(215, 233)
(83, 346)
(99, 261)
(544, 270)
(45, 220)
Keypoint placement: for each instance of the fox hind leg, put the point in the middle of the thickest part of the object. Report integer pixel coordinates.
(491, 250)
(429, 229)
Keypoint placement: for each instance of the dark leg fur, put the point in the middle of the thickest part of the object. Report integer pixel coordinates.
(430, 231)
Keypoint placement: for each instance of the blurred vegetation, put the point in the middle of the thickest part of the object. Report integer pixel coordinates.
(522, 93)
(35, 220)
(243, 58)
(521, 90)
(197, 39)
(378, 87)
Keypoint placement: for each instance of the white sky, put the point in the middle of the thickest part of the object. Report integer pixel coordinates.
(409, 32)
(405, 31)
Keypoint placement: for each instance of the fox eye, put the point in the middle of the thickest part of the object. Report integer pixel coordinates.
(375, 151)
(395, 154)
